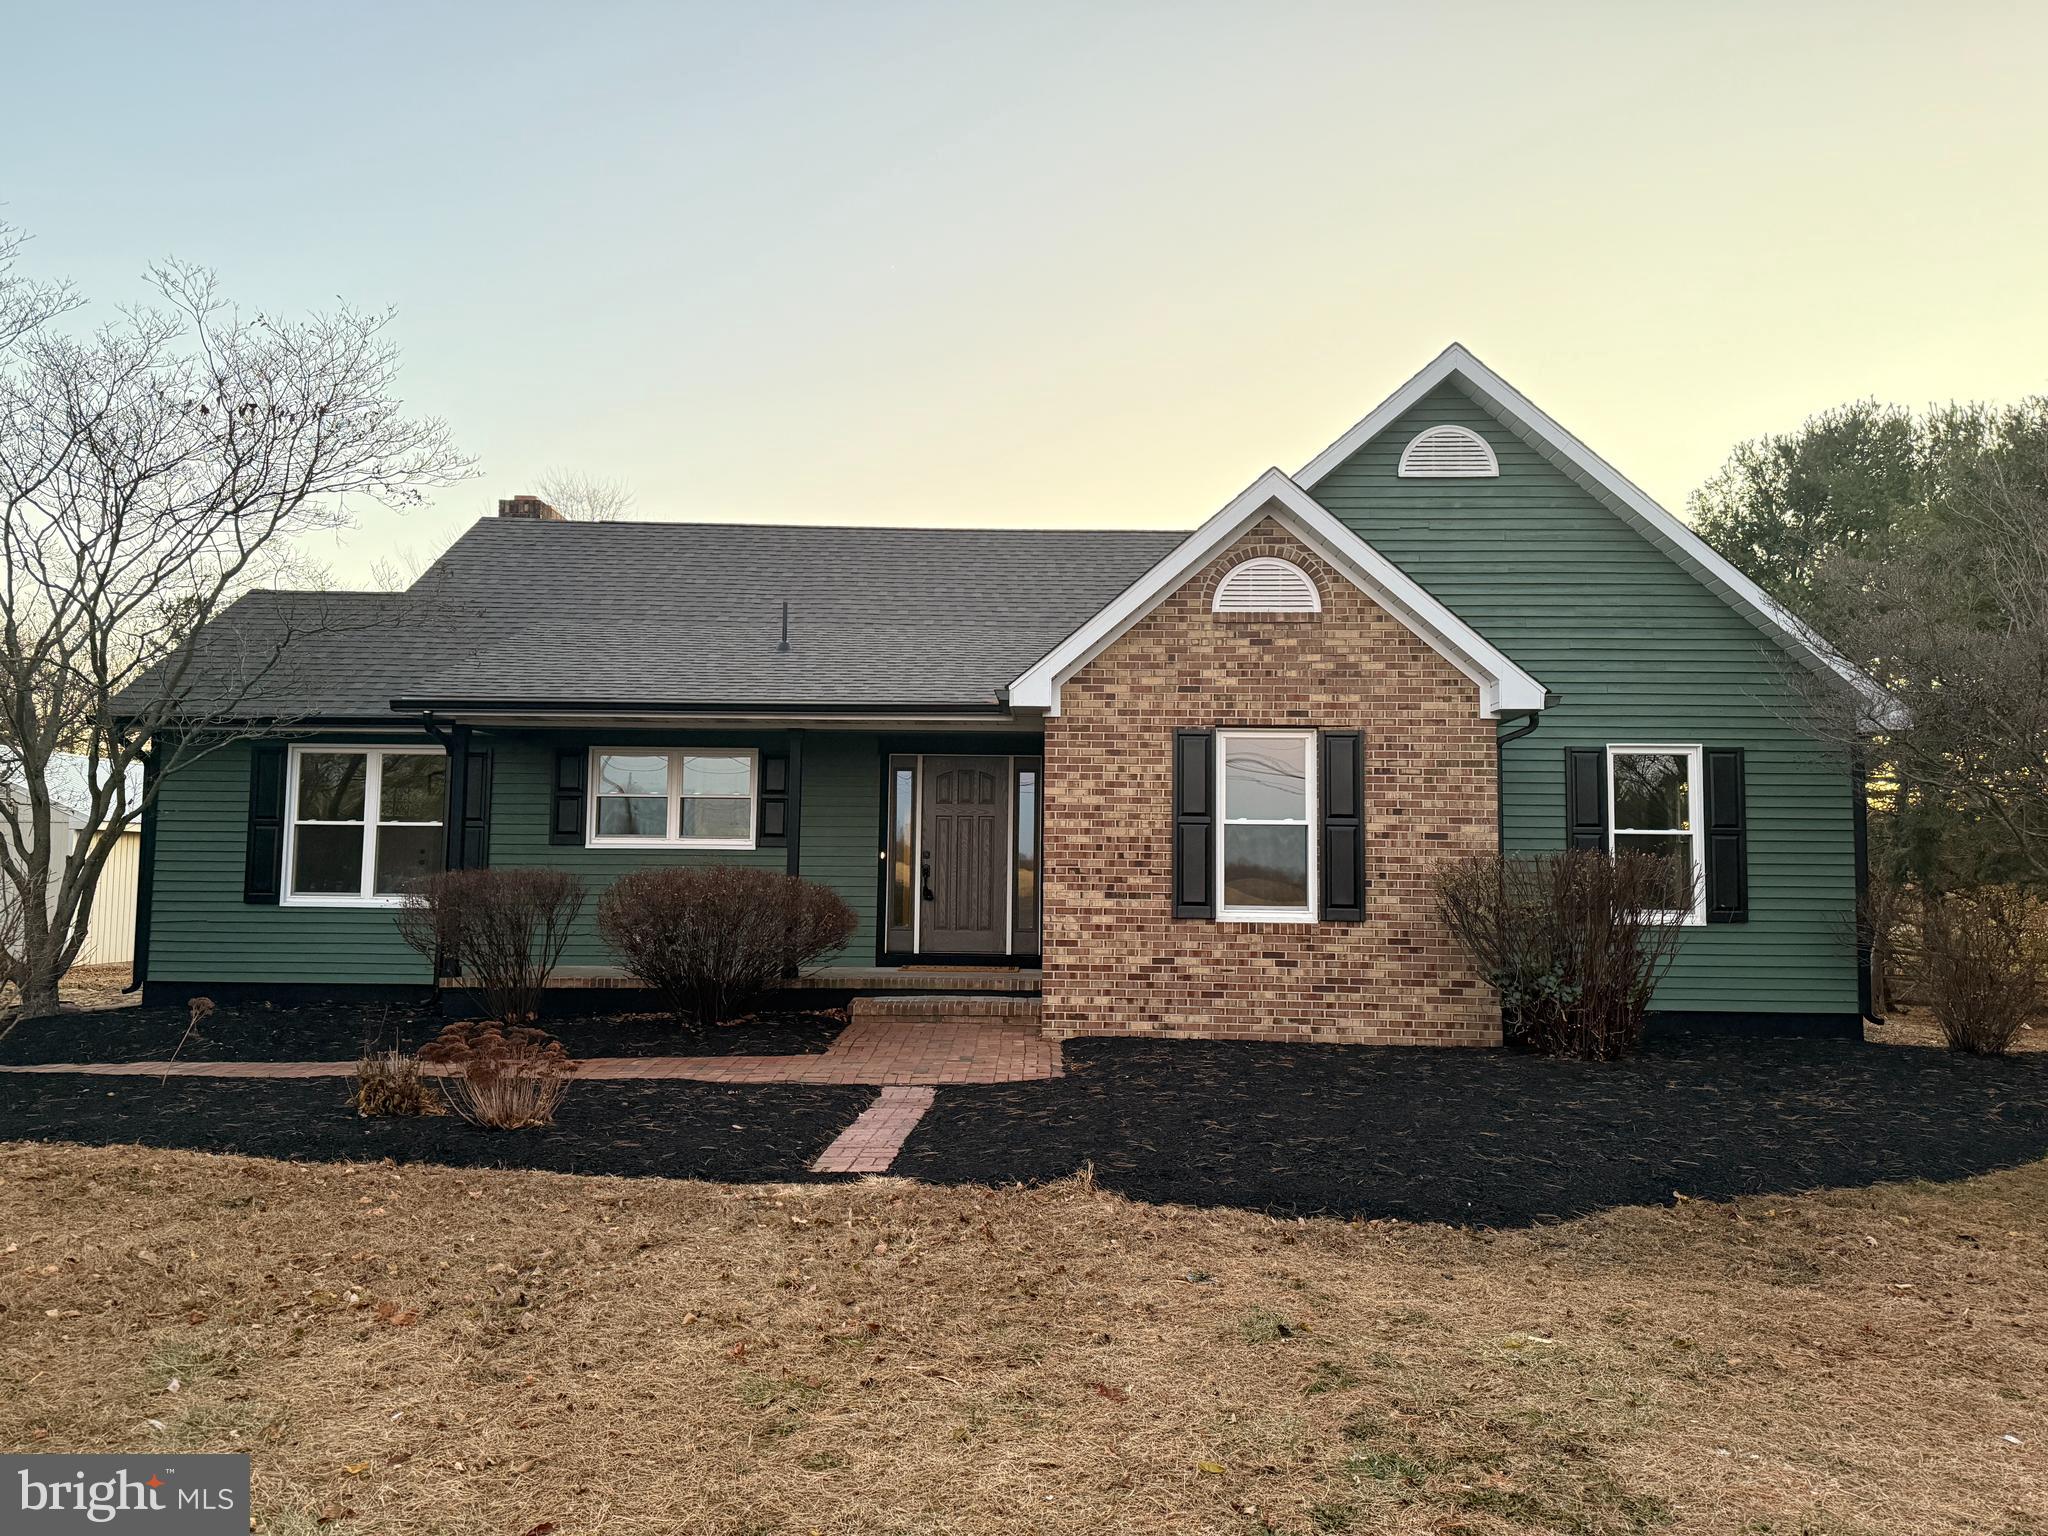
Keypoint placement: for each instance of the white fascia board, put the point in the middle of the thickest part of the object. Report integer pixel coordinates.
(1692, 551)
(1503, 686)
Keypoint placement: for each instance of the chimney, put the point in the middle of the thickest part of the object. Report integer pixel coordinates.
(529, 506)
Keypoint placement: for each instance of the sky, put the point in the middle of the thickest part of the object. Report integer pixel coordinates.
(1045, 264)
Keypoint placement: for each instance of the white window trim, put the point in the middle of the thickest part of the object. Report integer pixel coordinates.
(373, 790)
(1229, 914)
(673, 837)
(1695, 789)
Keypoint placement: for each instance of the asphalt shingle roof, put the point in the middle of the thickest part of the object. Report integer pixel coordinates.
(682, 615)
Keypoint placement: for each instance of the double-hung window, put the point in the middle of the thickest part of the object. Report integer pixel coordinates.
(365, 821)
(686, 798)
(1654, 807)
(1266, 855)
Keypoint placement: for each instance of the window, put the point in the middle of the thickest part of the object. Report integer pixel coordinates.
(1267, 854)
(1653, 807)
(1448, 453)
(365, 822)
(1024, 859)
(693, 799)
(1266, 585)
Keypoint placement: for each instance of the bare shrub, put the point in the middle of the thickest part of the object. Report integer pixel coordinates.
(1574, 943)
(714, 940)
(502, 930)
(504, 1077)
(1984, 965)
(391, 1083)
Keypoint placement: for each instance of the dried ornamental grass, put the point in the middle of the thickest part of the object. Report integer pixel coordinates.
(392, 1083)
(506, 1078)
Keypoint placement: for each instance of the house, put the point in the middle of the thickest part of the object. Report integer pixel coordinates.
(110, 930)
(1197, 783)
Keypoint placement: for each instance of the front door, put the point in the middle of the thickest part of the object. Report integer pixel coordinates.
(964, 863)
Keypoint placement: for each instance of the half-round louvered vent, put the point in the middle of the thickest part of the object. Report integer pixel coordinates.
(1448, 453)
(1267, 586)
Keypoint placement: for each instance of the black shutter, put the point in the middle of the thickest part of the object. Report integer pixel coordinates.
(476, 808)
(263, 861)
(566, 828)
(1194, 823)
(1727, 837)
(774, 831)
(1585, 798)
(1343, 832)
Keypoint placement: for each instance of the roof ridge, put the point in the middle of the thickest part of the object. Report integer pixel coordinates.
(650, 522)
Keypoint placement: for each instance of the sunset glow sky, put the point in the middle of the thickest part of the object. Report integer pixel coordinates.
(1041, 263)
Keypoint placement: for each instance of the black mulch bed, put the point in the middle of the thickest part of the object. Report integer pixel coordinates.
(667, 1129)
(337, 1032)
(1486, 1137)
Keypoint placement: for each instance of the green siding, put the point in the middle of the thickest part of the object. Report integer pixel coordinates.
(1639, 651)
(839, 829)
(202, 930)
(842, 826)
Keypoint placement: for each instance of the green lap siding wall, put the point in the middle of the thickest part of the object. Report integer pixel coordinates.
(839, 811)
(1639, 651)
(202, 930)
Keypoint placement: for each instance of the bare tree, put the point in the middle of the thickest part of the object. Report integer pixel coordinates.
(583, 498)
(152, 472)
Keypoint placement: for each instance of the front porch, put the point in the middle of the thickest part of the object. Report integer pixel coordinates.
(853, 980)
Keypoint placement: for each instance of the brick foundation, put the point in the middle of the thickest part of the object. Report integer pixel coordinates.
(1118, 962)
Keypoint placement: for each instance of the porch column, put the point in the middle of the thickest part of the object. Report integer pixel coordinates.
(458, 797)
(794, 832)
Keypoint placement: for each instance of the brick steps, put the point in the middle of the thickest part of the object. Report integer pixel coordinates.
(931, 1007)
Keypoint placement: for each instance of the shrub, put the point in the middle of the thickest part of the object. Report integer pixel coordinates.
(501, 930)
(504, 1077)
(1984, 965)
(713, 940)
(1574, 943)
(390, 1083)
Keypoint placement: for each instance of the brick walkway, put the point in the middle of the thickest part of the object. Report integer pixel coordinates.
(909, 1059)
(884, 1052)
(871, 1143)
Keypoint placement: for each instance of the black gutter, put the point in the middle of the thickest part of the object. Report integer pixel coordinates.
(1531, 718)
(722, 710)
(1859, 789)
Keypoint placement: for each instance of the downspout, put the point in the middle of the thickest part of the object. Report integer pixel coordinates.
(1531, 718)
(1859, 789)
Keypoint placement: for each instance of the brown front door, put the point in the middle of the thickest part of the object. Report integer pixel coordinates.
(965, 862)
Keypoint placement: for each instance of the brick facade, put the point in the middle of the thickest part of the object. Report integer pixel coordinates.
(1116, 959)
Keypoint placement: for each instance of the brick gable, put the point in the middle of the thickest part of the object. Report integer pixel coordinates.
(1118, 962)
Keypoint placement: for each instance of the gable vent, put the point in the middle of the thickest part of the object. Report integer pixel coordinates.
(1267, 586)
(1448, 453)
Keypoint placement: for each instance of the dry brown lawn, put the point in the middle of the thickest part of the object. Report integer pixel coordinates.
(85, 986)
(419, 1350)
(1913, 1024)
